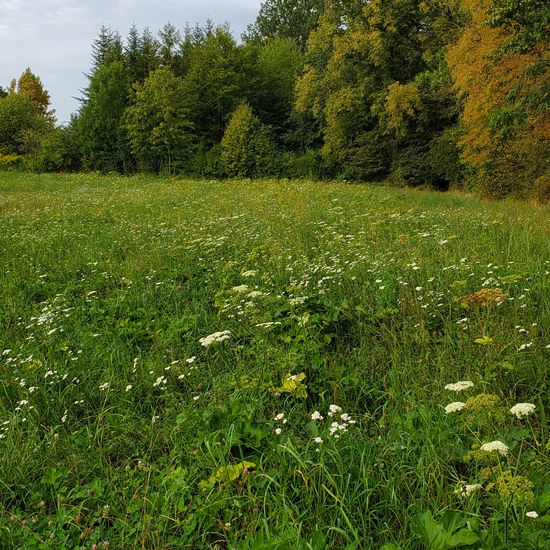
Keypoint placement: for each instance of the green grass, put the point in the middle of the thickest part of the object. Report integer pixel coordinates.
(111, 435)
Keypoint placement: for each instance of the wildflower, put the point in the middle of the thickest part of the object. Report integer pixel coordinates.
(318, 440)
(278, 431)
(129, 387)
(160, 380)
(249, 273)
(316, 416)
(454, 407)
(255, 294)
(241, 289)
(103, 387)
(333, 409)
(215, 338)
(280, 416)
(460, 386)
(498, 446)
(467, 489)
(522, 409)
(532, 514)
(191, 359)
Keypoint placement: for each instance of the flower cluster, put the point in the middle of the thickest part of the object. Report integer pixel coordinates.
(495, 446)
(280, 418)
(454, 407)
(460, 386)
(467, 489)
(522, 409)
(215, 338)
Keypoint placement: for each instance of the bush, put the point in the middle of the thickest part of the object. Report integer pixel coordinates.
(207, 162)
(10, 161)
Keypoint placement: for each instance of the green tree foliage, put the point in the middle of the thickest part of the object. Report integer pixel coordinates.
(376, 82)
(215, 84)
(157, 123)
(170, 41)
(278, 65)
(21, 120)
(293, 19)
(141, 54)
(526, 22)
(246, 148)
(410, 91)
(107, 48)
(102, 134)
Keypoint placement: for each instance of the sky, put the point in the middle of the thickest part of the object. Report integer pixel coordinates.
(54, 37)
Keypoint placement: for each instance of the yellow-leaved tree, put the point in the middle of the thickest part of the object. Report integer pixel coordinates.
(506, 125)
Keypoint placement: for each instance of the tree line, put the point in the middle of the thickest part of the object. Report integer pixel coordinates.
(415, 92)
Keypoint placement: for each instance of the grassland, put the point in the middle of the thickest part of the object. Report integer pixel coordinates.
(120, 428)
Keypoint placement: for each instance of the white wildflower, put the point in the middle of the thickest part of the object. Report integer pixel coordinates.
(467, 489)
(318, 440)
(278, 431)
(532, 514)
(249, 273)
(454, 407)
(215, 338)
(241, 289)
(160, 380)
(333, 409)
(104, 386)
(460, 386)
(316, 416)
(523, 409)
(191, 359)
(129, 387)
(492, 446)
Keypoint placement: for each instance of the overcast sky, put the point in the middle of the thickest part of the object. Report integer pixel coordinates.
(53, 37)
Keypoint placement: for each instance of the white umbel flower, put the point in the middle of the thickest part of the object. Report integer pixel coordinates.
(523, 409)
(468, 489)
(460, 386)
(493, 446)
(316, 416)
(454, 407)
(532, 514)
(215, 338)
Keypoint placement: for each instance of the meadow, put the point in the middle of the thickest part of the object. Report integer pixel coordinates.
(270, 365)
